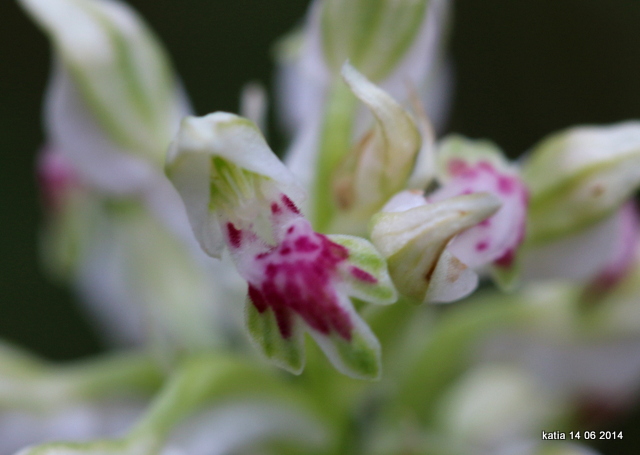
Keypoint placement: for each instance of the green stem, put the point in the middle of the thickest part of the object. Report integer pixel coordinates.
(201, 380)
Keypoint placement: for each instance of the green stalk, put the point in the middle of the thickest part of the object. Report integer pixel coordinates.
(201, 380)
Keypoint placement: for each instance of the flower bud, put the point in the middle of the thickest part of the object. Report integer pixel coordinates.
(380, 164)
(580, 176)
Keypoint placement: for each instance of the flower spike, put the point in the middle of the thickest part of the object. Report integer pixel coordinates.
(239, 195)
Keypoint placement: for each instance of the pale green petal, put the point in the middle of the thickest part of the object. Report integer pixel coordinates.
(358, 357)
(374, 285)
(287, 353)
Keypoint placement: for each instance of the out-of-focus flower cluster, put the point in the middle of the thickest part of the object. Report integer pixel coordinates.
(210, 260)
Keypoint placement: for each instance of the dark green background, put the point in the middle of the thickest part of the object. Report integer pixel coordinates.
(524, 68)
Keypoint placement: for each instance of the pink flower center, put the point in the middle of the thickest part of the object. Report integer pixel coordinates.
(299, 276)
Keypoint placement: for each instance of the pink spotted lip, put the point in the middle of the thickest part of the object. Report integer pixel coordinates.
(496, 239)
(300, 276)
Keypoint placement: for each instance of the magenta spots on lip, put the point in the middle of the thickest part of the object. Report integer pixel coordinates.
(305, 244)
(361, 275)
(290, 205)
(298, 278)
(482, 246)
(275, 208)
(235, 235)
(485, 223)
(506, 185)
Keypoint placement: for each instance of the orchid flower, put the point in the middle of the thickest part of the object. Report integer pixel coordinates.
(240, 196)
(475, 219)
(579, 180)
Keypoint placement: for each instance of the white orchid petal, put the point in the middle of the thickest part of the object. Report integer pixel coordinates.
(414, 240)
(242, 150)
(624, 253)
(254, 104)
(405, 200)
(235, 140)
(451, 280)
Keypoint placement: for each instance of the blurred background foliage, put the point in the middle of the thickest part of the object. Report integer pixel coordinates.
(523, 69)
